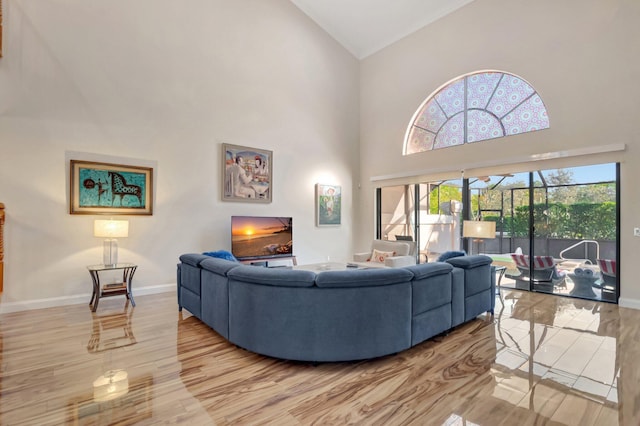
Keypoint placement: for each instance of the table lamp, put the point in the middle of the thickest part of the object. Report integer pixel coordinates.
(111, 385)
(110, 229)
(478, 230)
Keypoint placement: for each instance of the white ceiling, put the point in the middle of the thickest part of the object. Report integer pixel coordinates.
(365, 26)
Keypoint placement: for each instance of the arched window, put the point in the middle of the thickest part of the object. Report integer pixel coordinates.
(475, 107)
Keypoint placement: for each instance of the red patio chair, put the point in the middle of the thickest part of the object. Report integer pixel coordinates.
(609, 271)
(544, 269)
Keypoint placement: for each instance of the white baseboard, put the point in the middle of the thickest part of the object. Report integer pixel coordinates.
(53, 302)
(625, 302)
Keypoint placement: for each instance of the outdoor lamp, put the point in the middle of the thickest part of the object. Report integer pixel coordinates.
(478, 230)
(110, 229)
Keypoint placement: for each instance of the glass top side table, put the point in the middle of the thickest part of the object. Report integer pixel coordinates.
(122, 288)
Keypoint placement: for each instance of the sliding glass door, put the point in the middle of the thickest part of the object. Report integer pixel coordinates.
(556, 231)
(428, 213)
(577, 226)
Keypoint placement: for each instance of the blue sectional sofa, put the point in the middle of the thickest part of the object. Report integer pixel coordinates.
(334, 315)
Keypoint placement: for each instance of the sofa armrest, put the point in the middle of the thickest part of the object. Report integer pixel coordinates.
(399, 261)
(361, 257)
(469, 262)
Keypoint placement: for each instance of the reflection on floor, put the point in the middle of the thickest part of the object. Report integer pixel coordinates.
(112, 330)
(579, 278)
(573, 287)
(540, 359)
(570, 350)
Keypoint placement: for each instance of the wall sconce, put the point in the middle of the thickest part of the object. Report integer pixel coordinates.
(110, 229)
(478, 230)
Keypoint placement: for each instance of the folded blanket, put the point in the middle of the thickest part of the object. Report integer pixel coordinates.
(221, 254)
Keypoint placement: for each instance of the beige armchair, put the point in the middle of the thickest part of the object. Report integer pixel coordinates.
(396, 254)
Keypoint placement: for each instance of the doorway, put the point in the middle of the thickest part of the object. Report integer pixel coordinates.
(563, 225)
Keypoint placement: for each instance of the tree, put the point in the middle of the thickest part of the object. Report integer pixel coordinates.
(445, 193)
(561, 209)
(558, 191)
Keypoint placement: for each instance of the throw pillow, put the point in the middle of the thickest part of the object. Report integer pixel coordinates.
(221, 254)
(450, 255)
(379, 256)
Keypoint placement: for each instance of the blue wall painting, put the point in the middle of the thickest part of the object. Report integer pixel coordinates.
(102, 188)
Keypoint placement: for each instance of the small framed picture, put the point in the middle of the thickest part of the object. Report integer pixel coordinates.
(246, 174)
(328, 204)
(113, 189)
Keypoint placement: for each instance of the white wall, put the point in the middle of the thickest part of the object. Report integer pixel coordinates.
(163, 83)
(580, 55)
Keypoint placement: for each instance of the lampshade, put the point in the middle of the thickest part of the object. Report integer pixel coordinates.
(111, 228)
(478, 229)
(110, 385)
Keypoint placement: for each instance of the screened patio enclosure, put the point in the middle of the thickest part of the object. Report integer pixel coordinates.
(556, 231)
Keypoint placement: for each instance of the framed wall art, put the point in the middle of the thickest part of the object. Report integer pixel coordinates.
(246, 174)
(103, 188)
(328, 204)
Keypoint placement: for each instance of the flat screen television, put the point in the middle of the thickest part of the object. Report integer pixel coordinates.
(260, 237)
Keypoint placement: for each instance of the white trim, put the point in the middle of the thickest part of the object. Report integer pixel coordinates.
(506, 161)
(53, 302)
(625, 302)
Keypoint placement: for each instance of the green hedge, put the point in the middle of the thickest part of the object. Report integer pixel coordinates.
(595, 221)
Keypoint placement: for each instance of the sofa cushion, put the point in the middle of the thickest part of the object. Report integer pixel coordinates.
(219, 266)
(431, 286)
(426, 270)
(192, 259)
(190, 301)
(363, 277)
(476, 268)
(450, 255)
(467, 262)
(401, 248)
(280, 277)
(380, 256)
(399, 261)
(429, 323)
(215, 299)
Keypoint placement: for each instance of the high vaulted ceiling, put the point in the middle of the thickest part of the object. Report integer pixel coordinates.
(365, 26)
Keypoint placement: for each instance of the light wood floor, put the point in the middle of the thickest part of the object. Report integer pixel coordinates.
(541, 360)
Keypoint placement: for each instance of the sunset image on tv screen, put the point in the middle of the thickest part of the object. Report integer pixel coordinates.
(255, 237)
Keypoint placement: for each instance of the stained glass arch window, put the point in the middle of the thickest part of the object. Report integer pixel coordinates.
(474, 107)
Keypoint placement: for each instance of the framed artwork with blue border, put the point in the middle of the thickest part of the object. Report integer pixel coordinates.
(328, 204)
(113, 189)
